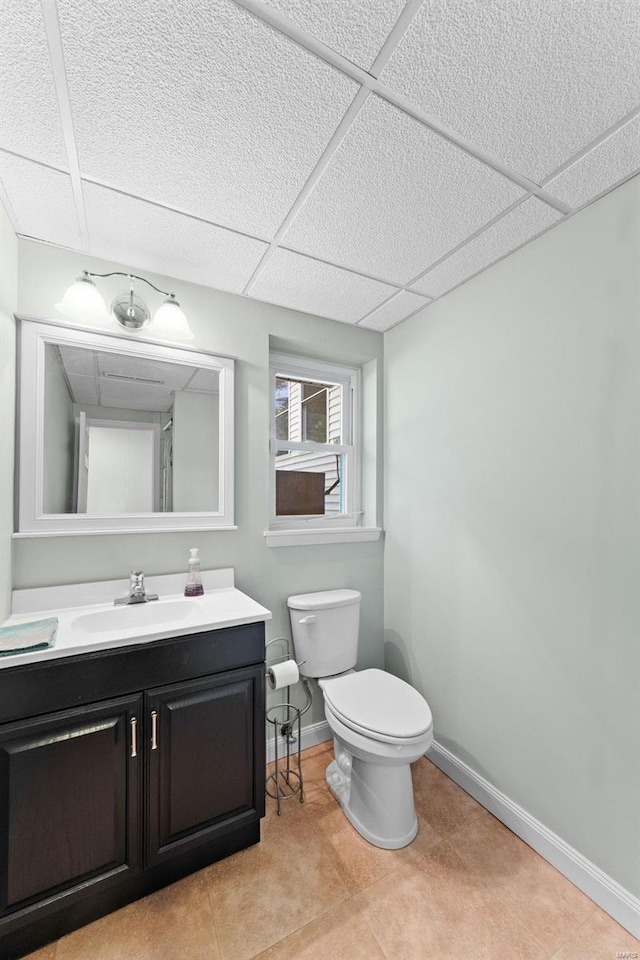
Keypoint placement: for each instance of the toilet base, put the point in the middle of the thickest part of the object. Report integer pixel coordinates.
(375, 801)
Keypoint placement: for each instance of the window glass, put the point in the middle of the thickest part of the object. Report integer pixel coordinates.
(314, 463)
(314, 412)
(282, 409)
(309, 484)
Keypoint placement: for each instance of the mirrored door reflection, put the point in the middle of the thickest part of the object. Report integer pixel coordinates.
(125, 434)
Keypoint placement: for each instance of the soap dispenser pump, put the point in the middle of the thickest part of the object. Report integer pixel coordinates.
(194, 586)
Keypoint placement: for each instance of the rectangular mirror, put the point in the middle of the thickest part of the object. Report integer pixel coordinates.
(120, 435)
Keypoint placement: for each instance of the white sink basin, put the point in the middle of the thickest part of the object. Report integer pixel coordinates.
(88, 620)
(134, 615)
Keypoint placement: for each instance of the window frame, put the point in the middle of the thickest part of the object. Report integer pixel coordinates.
(349, 379)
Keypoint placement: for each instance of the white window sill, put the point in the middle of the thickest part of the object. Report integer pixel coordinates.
(310, 537)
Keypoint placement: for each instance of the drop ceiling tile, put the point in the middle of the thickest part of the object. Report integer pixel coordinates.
(84, 388)
(78, 361)
(29, 119)
(205, 381)
(612, 160)
(395, 310)
(530, 82)
(147, 236)
(159, 405)
(314, 287)
(204, 108)
(174, 376)
(511, 231)
(135, 396)
(396, 197)
(42, 201)
(357, 29)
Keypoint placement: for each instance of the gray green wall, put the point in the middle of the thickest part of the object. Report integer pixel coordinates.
(512, 523)
(8, 304)
(196, 439)
(238, 327)
(59, 436)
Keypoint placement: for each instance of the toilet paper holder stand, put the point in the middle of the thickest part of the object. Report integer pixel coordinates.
(286, 781)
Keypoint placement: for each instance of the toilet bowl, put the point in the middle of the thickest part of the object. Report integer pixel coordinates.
(380, 724)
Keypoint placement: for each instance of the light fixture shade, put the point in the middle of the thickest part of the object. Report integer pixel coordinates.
(170, 323)
(84, 302)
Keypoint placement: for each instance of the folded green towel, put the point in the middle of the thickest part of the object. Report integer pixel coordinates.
(24, 637)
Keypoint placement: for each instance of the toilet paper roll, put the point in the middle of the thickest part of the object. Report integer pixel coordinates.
(283, 674)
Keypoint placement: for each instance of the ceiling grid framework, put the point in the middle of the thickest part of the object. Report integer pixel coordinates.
(354, 161)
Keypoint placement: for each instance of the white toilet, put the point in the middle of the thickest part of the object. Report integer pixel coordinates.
(380, 724)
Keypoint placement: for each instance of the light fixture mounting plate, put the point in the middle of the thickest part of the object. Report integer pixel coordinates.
(123, 307)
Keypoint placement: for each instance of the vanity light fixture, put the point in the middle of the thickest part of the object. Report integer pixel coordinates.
(84, 302)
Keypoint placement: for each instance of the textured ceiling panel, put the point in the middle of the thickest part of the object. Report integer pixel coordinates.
(206, 109)
(512, 230)
(42, 201)
(84, 388)
(136, 396)
(304, 284)
(29, 117)
(355, 28)
(612, 160)
(393, 312)
(396, 197)
(532, 82)
(75, 360)
(150, 237)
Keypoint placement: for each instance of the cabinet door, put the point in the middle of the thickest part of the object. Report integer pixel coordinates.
(203, 758)
(69, 800)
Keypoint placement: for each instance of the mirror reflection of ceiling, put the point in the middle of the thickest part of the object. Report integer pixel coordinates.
(353, 159)
(132, 383)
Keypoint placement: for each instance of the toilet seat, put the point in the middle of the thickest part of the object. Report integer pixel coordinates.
(378, 705)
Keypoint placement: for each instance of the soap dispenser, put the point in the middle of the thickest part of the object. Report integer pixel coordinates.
(194, 586)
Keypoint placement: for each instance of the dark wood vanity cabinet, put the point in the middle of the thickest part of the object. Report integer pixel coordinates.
(201, 737)
(69, 809)
(123, 770)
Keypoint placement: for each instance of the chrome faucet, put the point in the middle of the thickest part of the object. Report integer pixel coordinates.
(137, 592)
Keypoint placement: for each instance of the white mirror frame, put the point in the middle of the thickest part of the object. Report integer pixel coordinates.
(33, 522)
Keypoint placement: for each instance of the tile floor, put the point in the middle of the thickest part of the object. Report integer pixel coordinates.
(313, 889)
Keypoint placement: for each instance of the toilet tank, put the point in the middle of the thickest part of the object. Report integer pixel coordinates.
(325, 631)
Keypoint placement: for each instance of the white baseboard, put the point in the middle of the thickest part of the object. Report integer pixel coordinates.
(313, 734)
(599, 886)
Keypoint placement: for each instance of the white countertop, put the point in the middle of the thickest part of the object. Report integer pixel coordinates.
(86, 627)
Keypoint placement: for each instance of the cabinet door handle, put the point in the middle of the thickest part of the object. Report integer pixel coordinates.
(154, 729)
(134, 736)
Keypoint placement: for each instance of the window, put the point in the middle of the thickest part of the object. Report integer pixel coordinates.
(315, 462)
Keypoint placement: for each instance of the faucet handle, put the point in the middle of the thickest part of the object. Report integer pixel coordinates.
(137, 577)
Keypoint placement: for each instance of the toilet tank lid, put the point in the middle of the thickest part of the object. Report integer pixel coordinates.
(323, 599)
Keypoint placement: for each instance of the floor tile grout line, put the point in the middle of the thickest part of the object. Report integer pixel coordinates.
(485, 884)
(213, 921)
(535, 857)
(574, 933)
(307, 923)
(371, 931)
